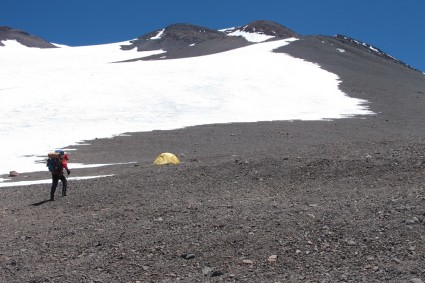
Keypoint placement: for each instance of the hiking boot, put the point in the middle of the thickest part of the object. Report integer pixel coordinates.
(64, 194)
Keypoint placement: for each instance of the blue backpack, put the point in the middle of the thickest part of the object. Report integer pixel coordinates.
(54, 162)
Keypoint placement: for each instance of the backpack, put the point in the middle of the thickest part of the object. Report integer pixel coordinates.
(54, 162)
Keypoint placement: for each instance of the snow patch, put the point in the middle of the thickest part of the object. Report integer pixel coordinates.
(159, 35)
(84, 166)
(12, 43)
(60, 45)
(251, 37)
(47, 181)
(374, 49)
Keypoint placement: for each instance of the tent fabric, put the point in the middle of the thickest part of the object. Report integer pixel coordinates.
(166, 158)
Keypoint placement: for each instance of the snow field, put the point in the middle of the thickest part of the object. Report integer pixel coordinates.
(52, 98)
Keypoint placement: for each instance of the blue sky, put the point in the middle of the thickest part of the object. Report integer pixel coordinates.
(397, 27)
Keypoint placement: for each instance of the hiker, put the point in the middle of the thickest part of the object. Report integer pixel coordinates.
(57, 174)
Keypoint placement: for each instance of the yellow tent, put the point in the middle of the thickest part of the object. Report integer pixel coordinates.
(166, 158)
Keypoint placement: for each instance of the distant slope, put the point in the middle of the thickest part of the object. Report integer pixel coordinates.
(395, 91)
(251, 82)
(24, 38)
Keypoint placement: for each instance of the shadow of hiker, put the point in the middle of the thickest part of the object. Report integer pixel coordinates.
(40, 203)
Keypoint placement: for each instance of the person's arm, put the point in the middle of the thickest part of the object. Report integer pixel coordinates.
(65, 165)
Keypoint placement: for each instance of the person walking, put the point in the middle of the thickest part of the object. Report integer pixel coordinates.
(58, 174)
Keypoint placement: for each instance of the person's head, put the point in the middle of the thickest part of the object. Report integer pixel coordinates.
(61, 153)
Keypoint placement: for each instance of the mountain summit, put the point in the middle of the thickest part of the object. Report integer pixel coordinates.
(267, 28)
(178, 40)
(186, 40)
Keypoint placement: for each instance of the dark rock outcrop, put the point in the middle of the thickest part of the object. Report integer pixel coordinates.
(267, 28)
(185, 40)
(174, 37)
(8, 33)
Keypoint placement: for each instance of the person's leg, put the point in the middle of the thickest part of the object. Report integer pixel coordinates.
(55, 180)
(64, 184)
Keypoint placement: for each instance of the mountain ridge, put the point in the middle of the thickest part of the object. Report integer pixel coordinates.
(370, 48)
(182, 40)
(187, 40)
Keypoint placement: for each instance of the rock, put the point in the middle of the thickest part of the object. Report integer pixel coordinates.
(272, 258)
(211, 272)
(13, 174)
(416, 280)
(207, 271)
(188, 256)
(248, 261)
(351, 243)
(216, 273)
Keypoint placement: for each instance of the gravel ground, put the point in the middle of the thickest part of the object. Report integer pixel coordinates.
(327, 201)
(347, 211)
